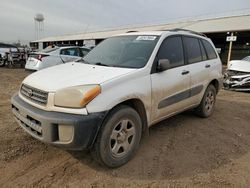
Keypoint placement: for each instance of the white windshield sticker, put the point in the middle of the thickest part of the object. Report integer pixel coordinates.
(146, 38)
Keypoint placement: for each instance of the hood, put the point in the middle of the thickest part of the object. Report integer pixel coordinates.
(239, 65)
(72, 74)
(241, 76)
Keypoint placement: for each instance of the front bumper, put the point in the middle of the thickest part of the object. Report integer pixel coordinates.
(69, 131)
(237, 82)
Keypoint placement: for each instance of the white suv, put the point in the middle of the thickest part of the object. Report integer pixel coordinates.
(126, 84)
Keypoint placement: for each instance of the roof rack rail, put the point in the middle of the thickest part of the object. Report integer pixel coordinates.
(131, 31)
(190, 31)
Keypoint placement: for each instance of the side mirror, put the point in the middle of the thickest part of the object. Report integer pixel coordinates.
(163, 64)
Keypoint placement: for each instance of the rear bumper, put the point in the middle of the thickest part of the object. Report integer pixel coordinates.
(32, 64)
(69, 131)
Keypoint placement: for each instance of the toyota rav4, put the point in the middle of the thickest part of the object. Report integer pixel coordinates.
(106, 101)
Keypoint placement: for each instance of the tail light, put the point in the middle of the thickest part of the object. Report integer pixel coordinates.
(40, 56)
(37, 56)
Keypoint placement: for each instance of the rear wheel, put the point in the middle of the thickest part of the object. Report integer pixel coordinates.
(119, 137)
(206, 107)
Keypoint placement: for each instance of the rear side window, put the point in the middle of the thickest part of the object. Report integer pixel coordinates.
(192, 48)
(209, 49)
(203, 52)
(172, 50)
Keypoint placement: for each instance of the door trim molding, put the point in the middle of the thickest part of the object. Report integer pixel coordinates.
(180, 96)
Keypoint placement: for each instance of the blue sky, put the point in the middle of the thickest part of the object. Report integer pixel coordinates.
(64, 16)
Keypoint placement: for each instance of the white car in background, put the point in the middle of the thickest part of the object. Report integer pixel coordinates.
(54, 56)
(237, 76)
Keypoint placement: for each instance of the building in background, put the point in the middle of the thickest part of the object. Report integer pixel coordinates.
(217, 29)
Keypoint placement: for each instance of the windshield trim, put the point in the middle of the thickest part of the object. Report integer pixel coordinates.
(120, 59)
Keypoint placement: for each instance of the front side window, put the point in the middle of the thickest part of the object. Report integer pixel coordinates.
(130, 51)
(172, 50)
(192, 48)
(209, 49)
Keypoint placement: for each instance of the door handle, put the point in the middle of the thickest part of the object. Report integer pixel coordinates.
(185, 72)
(207, 66)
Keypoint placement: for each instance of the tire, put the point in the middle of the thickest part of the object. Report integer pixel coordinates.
(9, 64)
(119, 137)
(2, 63)
(206, 107)
(22, 64)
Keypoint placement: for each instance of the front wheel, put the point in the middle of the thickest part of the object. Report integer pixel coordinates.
(206, 107)
(119, 137)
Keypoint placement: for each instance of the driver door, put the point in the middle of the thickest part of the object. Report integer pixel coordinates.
(170, 88)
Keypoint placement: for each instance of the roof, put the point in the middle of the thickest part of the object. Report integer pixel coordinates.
(158, 33)
(222, 24)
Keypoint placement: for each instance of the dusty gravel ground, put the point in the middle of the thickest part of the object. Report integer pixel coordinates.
(183, 151)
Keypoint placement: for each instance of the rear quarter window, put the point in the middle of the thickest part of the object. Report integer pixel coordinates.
(209, 49)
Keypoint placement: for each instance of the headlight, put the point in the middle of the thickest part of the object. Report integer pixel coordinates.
(76, 97)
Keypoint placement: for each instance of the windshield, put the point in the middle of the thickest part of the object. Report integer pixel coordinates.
(246, 58)
(123, 51)
(49, 49)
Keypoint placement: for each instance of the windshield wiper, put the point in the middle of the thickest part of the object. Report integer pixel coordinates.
(82, 61)
(102, 64)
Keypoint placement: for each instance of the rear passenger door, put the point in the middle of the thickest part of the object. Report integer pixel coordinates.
(170, 88)
(196, 59)
(213, 63)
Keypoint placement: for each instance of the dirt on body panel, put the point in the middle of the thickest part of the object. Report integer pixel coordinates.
(183, 151)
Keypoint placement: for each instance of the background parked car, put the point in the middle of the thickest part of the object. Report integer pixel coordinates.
(13, 57)
(237, 76)
(3, 56)
(10, 55)
(54, 56)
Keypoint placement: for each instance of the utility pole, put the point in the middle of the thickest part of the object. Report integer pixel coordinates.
(231, 39)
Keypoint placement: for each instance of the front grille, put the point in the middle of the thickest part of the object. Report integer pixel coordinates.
(236, 73)
(35, 95)
(27, 122)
